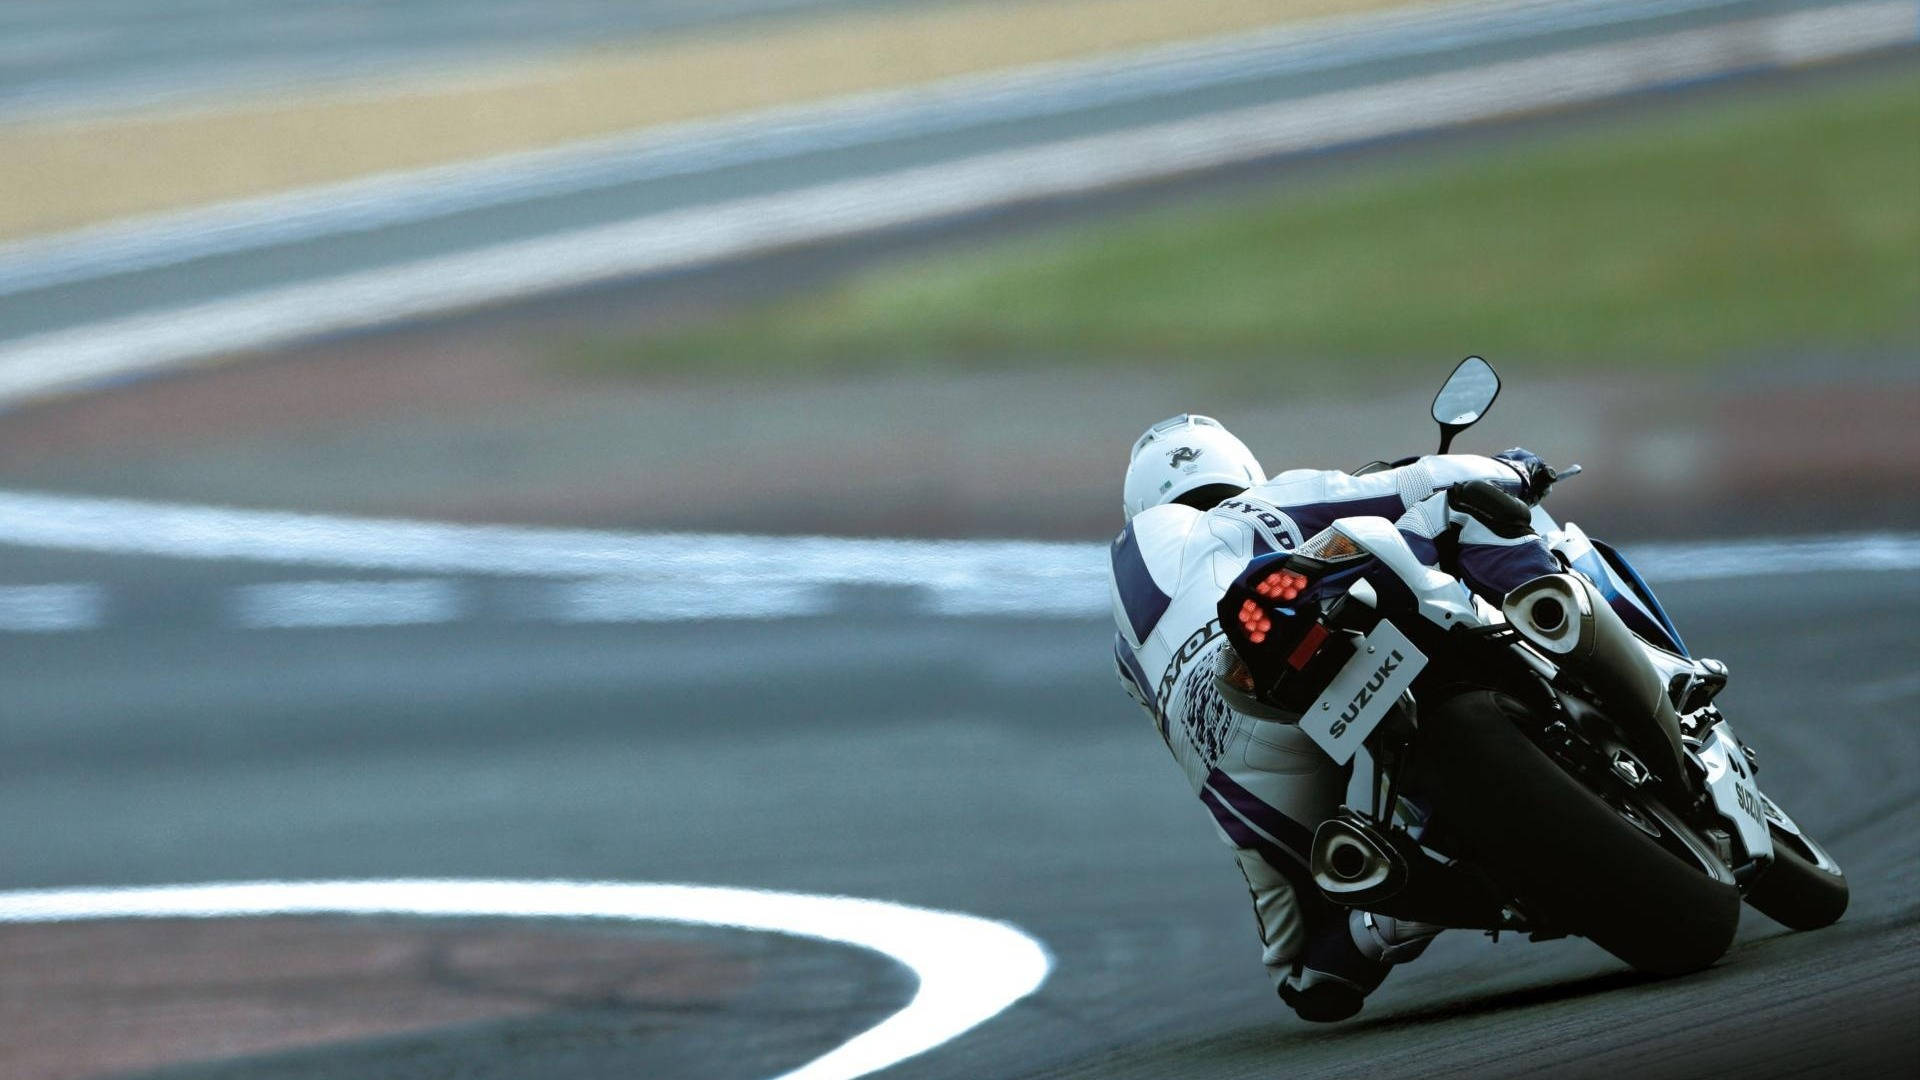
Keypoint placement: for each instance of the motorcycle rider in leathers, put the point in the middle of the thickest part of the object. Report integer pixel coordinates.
(1198, 509)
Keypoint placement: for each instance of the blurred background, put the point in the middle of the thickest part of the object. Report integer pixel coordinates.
(659, 283)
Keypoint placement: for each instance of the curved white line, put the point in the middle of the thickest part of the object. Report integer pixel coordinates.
(969, 576)
(970, 969)
(177, 530)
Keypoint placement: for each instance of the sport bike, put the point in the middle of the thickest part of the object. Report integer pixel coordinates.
(1536, 767)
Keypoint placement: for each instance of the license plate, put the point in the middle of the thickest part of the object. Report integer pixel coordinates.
(1383, 665)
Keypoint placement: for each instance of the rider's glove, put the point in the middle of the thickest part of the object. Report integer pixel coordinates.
(1490, 505)
(1535, 475)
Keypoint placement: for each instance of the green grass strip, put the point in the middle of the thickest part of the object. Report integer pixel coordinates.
(1749, 224)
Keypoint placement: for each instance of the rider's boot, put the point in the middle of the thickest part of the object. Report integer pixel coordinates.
(1347, 960)
(1385, 938)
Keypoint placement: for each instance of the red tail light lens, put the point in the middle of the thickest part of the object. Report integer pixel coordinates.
(1281, 585)
(1254, 621)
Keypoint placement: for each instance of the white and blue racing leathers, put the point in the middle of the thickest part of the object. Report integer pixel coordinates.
(1265, 783)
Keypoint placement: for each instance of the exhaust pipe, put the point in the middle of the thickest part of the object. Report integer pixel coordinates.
(1356, 865)
(1353, 864)
(1555, 613)
(1567, 618)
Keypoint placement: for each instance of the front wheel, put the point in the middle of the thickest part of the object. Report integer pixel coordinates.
(1804, 889)
(1589, 867)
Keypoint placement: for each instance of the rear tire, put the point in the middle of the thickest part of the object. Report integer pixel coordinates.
(1577, 861)
(1797, 892)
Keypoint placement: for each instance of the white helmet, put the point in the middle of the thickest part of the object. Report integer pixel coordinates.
(1181, 454)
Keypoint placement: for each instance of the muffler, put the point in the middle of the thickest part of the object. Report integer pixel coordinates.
(1357, 865)
(1354, 865)
(1554, 613)
(1565, 616)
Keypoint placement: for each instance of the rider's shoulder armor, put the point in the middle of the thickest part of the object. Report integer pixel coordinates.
(1147, 562)
(1250, 525)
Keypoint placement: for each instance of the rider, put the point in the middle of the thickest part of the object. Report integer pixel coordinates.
(1198, 508)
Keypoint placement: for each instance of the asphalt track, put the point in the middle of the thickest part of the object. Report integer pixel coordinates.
(982, 765)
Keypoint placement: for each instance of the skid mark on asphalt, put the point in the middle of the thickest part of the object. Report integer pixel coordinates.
(969, 969)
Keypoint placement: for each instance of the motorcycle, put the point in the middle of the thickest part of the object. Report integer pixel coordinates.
(1538, 766)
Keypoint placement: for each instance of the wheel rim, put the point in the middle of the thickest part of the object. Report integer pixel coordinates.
(1652, 818)
(1632, 816)
(1807, 848)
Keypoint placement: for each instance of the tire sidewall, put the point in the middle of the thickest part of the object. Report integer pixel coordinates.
(1571, 858)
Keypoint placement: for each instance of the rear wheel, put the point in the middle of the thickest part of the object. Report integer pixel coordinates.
(1623, 873)
(1804, 889)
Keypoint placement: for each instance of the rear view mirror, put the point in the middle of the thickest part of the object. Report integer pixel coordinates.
(1464, 398)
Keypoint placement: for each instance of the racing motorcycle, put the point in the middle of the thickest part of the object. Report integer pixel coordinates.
(1536, 767)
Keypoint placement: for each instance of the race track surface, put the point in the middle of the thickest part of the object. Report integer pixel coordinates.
(986, 766)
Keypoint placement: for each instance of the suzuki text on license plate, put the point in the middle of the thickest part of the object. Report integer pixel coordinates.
(1383, 666)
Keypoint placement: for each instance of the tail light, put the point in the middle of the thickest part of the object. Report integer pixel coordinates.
(1279, 586)
(1273, 616)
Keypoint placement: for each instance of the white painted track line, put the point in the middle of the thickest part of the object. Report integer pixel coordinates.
(173, 530)
(185, 531)
(970, 969)
(628, 577)
(66, 360)
(624, 600)
(1711, 560)
(310, 604)
(51, 608)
